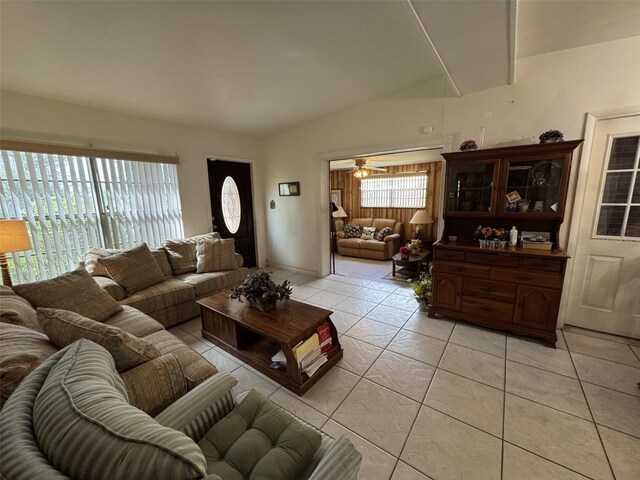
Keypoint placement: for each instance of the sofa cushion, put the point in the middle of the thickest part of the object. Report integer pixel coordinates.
(181, 252)
(134, 269)
(64, 327)
(196, 368)
(91, 260)
(207, 283)
(112, 287)
(215, 255)
(75, 291)
(258, 440)
(160, 256)
(382, 234)
(363, 222)
(133, 321)
(368, 233)
(372, 245)
(16, 310)
(21, 350)
(380, 223)
(350, 242)
(352, 230)
(86, 428)
(170, 292)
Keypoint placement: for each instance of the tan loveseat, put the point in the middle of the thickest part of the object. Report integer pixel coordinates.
(172, 301)
(374, 249)
(151, 386)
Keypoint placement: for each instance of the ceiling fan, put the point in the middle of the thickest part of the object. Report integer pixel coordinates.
(360, 172)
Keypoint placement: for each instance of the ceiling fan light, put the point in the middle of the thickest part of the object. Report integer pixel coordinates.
(360, 172)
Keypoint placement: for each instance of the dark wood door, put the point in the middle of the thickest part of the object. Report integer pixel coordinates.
(232, 205)
(447, 291)
(537, 307)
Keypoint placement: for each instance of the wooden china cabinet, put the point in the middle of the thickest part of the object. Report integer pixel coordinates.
(511, 289)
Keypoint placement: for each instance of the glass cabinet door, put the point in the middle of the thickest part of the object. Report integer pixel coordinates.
(470, 188)
(534, 187)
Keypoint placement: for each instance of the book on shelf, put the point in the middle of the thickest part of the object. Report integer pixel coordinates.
(315, 366)
(324, 337)
(279, 361)
(304, 348)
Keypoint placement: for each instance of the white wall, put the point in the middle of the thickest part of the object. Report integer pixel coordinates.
(38, 119)
(553, 90)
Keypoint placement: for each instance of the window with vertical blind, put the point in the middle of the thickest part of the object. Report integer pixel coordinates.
(394, 191)
(74, 202)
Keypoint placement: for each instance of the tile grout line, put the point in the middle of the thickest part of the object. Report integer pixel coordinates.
(504, 407)
(595, 425)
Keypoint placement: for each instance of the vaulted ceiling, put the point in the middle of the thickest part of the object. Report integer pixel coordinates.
(258, 68)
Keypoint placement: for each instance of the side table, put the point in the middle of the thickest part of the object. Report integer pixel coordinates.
(413, 266)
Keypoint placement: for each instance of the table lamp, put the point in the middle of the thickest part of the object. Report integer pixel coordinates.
(339, 215)
(421, 217)
(13, 238)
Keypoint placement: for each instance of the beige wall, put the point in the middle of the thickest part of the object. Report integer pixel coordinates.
(33, 118)
(553, 90)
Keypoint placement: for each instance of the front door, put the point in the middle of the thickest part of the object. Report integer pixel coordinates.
(232, 205)
(604, 290)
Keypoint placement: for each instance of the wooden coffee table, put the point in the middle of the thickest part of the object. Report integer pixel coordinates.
(254, 336)
(411, 267)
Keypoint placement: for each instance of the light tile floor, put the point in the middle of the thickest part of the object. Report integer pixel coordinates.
(431, 398)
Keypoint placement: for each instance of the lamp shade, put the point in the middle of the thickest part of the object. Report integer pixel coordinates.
(14, 236)
(421, 217)
(340, 213)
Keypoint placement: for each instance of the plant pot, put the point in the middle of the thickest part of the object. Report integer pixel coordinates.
(404, 256)
(422, 305)
(482, 243)
(503, 244)
(262, 305)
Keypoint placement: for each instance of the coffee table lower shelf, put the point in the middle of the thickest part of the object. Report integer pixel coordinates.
(258, 353)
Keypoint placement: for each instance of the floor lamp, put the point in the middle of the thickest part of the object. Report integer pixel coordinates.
(13, 238)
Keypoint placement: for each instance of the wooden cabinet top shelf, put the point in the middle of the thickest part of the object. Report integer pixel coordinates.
(517, 251)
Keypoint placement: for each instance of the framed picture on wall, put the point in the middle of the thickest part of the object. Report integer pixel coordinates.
(289, 189)
(336, 196)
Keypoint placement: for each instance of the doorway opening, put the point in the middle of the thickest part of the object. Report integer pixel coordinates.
(231, 197)
(376, 202)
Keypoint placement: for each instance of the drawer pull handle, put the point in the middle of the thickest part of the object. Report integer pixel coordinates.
(488, 289)
(486, 308)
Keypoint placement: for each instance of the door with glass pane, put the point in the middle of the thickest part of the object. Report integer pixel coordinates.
(232, 205)
(604, 287)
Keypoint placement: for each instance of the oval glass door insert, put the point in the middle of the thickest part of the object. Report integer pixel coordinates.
(231, 208)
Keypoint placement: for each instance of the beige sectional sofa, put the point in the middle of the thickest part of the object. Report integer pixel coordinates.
(172, 301)
(374, 249)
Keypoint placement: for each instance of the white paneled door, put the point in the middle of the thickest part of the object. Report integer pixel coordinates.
(604, 290)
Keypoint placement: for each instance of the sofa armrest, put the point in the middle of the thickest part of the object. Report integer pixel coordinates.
(339, 235)
(392, 238)
(201, 408)
(155, 384)
(341, 462)
(239, 260)
(112, 287)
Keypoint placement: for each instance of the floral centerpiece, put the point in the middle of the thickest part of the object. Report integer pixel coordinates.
(468, 145)
(415, 246)
(405, 252)
(487, 236)
(261, 292)
(422, 290)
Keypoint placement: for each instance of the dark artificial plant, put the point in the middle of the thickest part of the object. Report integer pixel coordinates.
(261, 291)
(551, 136)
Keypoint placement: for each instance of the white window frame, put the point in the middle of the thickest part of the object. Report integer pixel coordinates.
(394, 199)
(603, 180)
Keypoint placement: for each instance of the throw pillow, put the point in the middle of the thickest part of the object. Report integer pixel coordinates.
(385, 232)
(134, 269)
(21, 351)
(91, 260)
(64, 327)
(16, 310)
(215, 255)
(368, 233)
(86, 428)
(352, 230)
(75, 291)
(182, 252)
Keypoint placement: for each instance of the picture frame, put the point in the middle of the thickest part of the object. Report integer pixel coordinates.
(513, 197)
(289, 189)
(336, 196)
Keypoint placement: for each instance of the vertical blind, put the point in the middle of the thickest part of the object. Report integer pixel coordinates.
(72, 203)
(394, 191)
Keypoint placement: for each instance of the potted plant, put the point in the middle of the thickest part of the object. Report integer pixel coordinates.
(551, 136)
(261, 292)
(422, 291)
(405, 252)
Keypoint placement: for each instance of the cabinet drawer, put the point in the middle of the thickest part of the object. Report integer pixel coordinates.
(462, 269)
(501, 291)
(500, 260)
(489, 309)
(527, 277)
(547, 264)
(449, 255)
